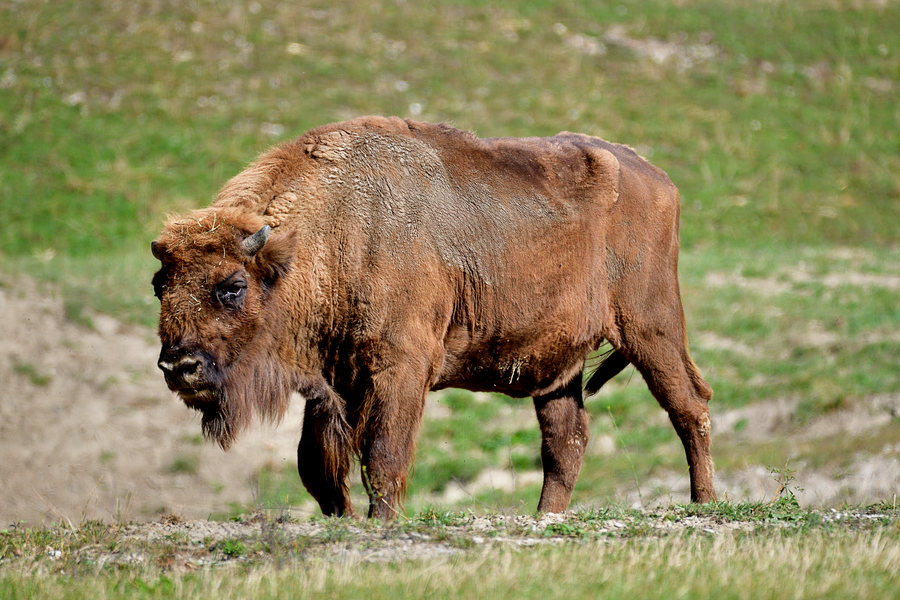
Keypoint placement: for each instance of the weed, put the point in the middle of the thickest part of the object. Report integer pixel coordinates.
(439, 518)
(233, 548)
(31, 372)
(565, 530)
(178, 538)
(784, 477)
(337, 531)
(187, 464)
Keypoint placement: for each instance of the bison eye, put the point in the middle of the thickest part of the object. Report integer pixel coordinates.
(230, 292)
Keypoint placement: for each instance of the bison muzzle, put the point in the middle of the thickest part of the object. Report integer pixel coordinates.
(368, 262)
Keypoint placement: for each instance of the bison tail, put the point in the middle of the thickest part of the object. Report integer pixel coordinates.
(612, 365)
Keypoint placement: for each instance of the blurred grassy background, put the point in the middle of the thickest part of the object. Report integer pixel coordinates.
(778, 121)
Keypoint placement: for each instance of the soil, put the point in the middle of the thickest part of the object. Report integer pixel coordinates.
(88, 430)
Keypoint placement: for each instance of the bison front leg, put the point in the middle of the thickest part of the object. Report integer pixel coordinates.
(323, 455)
(389, 423)
(564, 436)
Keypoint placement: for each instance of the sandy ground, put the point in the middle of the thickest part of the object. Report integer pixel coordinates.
(88, 430)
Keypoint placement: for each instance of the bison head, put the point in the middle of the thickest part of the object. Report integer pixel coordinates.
(218, 286)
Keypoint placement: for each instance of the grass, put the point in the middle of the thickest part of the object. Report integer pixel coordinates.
(112, 118)
(719, 550)
(31, 372)
(185, 463)
(777, 121)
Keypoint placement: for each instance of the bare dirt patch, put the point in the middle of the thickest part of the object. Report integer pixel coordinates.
(88, 429)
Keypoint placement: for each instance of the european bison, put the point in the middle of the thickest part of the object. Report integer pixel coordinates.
(371, 261)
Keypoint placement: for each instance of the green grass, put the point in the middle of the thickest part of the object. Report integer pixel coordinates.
(112, 118)
(185, 463)
(727, 550)
(31, 372)
(778, 121)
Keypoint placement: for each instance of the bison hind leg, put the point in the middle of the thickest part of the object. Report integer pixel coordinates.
(673, 378)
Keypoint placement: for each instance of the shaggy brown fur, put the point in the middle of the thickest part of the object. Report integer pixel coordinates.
(405, 257)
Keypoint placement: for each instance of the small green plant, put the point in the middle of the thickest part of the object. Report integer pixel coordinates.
(337, 530)
(784, 477)
(31, 372)
(187, 464)
(233, 548)
(178, 538)
(572, 530)
(434, 517)
(75, 306)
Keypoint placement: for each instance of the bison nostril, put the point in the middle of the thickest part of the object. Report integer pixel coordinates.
(186, 370)
(190, 368)
(188, 365)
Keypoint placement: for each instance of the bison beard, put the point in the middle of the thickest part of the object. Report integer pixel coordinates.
(254, 384)
(369, 262)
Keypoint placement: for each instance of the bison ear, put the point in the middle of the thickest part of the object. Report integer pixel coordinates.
(275, 257)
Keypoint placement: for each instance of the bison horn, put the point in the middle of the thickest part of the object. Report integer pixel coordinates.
(255, 242)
